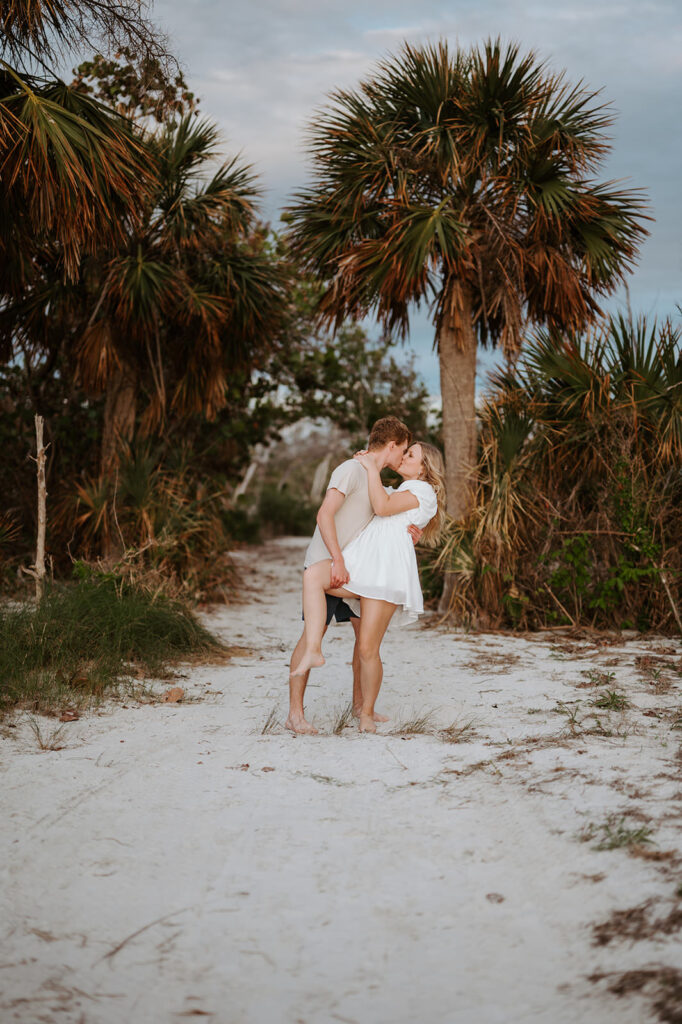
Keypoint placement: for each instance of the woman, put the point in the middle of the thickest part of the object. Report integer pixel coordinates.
(381, 560)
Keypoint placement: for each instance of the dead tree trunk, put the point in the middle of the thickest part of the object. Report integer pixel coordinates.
(38, 570)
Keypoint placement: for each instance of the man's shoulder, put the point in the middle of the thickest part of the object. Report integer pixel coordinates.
(346, 472)
(352, 466)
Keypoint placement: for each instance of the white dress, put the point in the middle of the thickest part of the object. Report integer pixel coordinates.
(381, 560)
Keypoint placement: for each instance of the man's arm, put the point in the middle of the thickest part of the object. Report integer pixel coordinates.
(333, 500)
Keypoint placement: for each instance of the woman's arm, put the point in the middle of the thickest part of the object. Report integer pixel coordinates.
(382, 503)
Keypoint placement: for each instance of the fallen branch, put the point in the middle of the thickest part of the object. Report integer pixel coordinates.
(675, 609)
(556, 599)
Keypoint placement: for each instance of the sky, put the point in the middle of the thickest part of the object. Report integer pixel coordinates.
(263, 68)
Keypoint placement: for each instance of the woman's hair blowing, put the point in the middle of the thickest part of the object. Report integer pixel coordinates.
(433, 472)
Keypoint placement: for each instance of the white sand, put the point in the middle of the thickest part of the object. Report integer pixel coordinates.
(154, 870)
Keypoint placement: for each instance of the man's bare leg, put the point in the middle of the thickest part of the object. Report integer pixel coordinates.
(357, 689)
(374, 621)
(296, 720)
(316, 579)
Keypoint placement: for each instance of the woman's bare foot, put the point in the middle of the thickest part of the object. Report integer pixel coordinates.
(298, 724)
(310, 659)
(366, 723)
(377, 716)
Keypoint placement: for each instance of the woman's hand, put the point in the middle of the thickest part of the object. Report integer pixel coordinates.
(365, 459)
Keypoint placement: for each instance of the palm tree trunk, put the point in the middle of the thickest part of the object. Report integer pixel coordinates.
(119, 425)
(457, 355)
(119, 416)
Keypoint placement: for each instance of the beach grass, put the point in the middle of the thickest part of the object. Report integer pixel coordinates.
(86, 638)
(614, 833)
(342, 718)
(415, 724)
(271, 722)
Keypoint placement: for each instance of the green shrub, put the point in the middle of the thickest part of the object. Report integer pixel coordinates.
(280, 512)
(86, 637)
(576, 518)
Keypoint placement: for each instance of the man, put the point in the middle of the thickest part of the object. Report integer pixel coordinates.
(343, 514)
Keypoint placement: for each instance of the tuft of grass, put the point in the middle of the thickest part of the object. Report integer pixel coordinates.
(416, 725)
(602, 678)
(611, 701)
(458, 733)
(343, 717)
(613, 834)
(48, 740)
(271, 722)
(87, 637)
(573, 723)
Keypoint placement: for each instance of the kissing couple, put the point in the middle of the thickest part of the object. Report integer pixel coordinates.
(361, 567)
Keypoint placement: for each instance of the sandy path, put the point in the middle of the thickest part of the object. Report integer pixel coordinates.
(172, 862)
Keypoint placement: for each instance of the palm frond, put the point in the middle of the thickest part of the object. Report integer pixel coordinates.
(75, 168)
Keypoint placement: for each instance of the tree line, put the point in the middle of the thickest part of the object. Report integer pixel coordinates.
(157, 322)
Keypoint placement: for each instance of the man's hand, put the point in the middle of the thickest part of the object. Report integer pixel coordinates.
(339, 573)
(415, 533)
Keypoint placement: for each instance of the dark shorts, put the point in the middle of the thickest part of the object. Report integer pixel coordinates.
(338, 609)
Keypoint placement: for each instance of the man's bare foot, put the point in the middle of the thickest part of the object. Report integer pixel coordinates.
(366, 723)
(298, 724)
(377, 716)
(310, 659)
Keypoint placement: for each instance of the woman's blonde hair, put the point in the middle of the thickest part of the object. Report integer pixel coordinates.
(433, 472)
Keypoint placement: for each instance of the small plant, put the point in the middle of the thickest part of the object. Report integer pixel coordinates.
(47, 741)
(342, 719)
(598, 729)
(613, 834)
(600, 678)
(573, 723)
(456, 733)
(418, 724)
(611, 701)
(271, 723)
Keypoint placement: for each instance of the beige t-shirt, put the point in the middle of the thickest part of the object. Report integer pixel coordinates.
(351, 479)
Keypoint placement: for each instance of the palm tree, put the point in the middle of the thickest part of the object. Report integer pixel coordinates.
(464, 179)
(70, 168)
(188, 296)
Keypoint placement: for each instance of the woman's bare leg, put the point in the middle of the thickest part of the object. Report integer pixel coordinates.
(374, 621)
(316, 579)
(357, 688)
